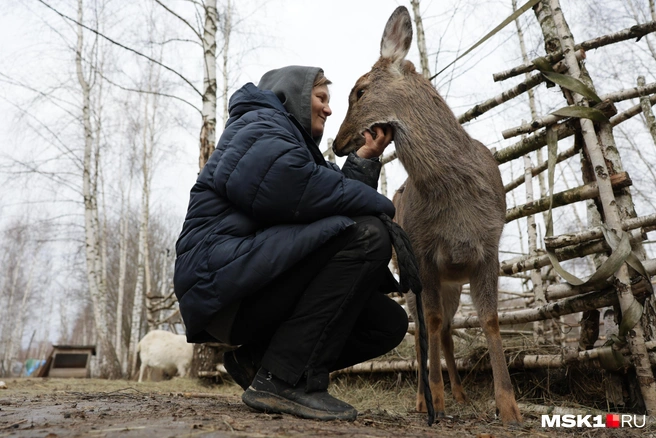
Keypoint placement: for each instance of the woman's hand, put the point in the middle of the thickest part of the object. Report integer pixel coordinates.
(374, 146)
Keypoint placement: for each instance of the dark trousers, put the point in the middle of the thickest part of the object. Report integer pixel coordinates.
(326, 313)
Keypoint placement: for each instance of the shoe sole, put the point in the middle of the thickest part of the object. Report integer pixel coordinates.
(269, 402)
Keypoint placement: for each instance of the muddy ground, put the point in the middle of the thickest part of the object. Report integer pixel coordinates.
(47, 407)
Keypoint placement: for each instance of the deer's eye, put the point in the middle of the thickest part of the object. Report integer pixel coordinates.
(359, 93)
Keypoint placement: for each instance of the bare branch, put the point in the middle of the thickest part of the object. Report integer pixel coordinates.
(121, 45)
(175, 14)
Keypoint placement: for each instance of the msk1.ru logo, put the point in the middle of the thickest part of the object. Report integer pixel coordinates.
(612, 420)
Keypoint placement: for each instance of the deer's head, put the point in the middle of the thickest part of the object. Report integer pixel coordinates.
(375, 98)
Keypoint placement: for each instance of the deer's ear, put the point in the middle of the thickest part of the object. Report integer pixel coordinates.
(397, 36)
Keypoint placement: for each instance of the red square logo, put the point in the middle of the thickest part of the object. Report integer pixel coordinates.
(612, 420)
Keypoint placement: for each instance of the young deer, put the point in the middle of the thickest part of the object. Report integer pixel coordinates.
(452, 205)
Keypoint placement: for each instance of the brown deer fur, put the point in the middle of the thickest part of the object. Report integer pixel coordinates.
(452, 205)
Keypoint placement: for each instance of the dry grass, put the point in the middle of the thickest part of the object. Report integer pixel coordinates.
(579, 386)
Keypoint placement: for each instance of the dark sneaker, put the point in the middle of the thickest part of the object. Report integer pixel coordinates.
(241, 368)
(269, 394)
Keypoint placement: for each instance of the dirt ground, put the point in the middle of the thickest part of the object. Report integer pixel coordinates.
(48, 407)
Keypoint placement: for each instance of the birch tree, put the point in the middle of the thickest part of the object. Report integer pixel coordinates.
(207, 39)
(109, 365)
(143, 285)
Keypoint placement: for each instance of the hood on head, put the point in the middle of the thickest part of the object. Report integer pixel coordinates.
(293, 86)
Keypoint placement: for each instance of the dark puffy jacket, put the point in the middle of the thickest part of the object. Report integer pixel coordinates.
(264, 201)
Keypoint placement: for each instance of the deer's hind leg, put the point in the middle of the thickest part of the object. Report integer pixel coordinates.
(450, 295)
(484, 293)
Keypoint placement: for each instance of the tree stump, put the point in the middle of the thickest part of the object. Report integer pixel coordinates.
(207, 356)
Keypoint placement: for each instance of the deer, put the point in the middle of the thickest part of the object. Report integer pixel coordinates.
(452, 206)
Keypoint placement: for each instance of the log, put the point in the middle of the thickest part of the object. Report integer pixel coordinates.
(533, 142)
(623, 35)
(511, 93)
(596, 233)
(567, 306)
(606, 106)
(569, 153)
(536, 410)
(481, 108)
(633, 111)
(519, 264)
(587, 191)
(564, 290)
(632, 93)
(564, 129)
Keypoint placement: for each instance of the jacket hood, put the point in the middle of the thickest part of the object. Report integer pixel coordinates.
(293, 87)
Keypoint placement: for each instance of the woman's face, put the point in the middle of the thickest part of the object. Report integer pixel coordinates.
(320, 109)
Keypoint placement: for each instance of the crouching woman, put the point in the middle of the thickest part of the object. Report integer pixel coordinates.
(283, 254)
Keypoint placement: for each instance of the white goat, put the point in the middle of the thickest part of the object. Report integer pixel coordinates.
(166, 351)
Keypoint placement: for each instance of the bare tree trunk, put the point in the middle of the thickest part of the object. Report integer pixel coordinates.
(122, 269)
(9, 343)
(226, 29)
(17, 331)
(208, 129)
(109, 366)
(142, 252)
(421, 39)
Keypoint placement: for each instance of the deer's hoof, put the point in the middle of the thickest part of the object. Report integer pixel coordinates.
(461, 397)
(512, 419)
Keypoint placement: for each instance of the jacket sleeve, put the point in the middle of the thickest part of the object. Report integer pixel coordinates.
(362, 169)
(275, 180)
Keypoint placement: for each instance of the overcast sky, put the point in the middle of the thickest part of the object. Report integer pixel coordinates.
(341, 36)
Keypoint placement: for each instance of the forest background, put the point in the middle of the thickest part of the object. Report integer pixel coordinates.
(104, 101)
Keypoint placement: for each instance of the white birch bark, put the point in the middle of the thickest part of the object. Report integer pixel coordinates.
(208, 129)
(226, 29)
(421, 39)
(17, 332)
(139, 295)
(109, 366)
(9, 344)
(646, 110)
(122, 266)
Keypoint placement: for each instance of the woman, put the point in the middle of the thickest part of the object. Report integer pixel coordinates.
(283, 254)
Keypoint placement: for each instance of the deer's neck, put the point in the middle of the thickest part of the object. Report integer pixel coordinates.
(433, 157)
